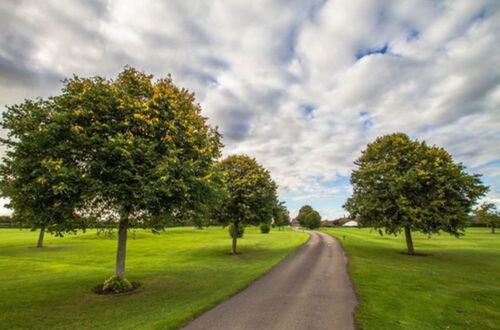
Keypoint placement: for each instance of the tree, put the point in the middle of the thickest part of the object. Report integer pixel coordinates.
(487, 213)
(142, 146)
(38, 174)
(308, 217)
(401, 184)
(146, 148)
(281, 216)
(312, 220)
(304, 210)
(251, 194)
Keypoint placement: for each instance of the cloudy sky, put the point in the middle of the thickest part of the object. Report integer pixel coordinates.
(302, 86)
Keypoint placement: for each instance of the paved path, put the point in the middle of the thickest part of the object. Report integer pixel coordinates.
(308, 290)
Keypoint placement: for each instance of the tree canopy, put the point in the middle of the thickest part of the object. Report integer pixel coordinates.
(39, 175)
(304, 210)
(250, 197)
(312, 220)
(281, 216)
(308, 217)
(401, 184)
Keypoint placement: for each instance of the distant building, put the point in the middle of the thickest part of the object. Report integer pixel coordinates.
(328, 223)
(340, 221)
(351, 223)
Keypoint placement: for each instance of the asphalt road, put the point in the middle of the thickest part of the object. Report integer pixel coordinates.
(308, 290)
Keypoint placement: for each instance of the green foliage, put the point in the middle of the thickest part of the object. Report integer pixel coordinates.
(488, 215)
(232, 231)
(39, 174)
(265, 228)
(281, 216)
(312, 220)
(304, 210)
(202, 214)
(308, 217)
(116, 285)
(144, 145)
(400, 183)
(249, 193)
(107, 147)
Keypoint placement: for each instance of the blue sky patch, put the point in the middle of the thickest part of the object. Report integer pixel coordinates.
(308, 110)
(370, 51)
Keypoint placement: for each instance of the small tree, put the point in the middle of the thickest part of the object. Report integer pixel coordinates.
(312, 220)
(38, 174)
(250, 194)
(487, 214)
(281, 216)
(304, 210)
(400, 184)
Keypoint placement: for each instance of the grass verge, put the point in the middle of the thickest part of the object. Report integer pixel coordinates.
(456, 286)
(182, 272)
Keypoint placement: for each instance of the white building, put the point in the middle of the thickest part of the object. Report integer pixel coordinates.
(351, 223)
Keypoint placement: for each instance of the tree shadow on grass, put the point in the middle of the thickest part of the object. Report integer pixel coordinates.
(416, 254)
(46, 248)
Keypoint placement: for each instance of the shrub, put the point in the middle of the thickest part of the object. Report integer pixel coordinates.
(116, 285)
(264, 228)
(241, 231)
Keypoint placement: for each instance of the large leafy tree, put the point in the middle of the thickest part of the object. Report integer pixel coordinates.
(487, 214)
(402, 184)
(39, 176)
(251, 196)
(145, 147)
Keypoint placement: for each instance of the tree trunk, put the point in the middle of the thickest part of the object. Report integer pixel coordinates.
(492, 229)
(40, 238)
(122, 247)
(235, 237)
(409, 241)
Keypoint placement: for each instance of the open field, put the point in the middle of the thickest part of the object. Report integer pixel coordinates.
(183, 271)
(456, 287)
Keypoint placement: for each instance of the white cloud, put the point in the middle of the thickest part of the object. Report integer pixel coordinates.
(286, 81)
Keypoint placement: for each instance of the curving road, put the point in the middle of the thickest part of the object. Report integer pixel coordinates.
(308, 290)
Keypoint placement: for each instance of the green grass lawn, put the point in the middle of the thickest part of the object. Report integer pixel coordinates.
(183, 272)
(456, 287)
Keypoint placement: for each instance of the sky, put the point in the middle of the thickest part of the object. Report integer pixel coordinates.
(302, 86)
